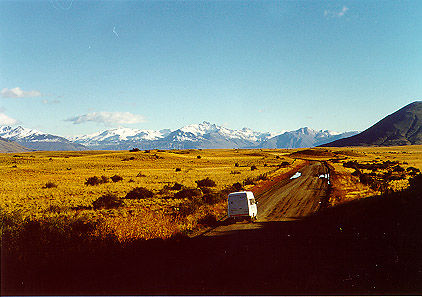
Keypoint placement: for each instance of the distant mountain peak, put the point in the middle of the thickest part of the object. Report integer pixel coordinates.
(37, 140)
(202, 135)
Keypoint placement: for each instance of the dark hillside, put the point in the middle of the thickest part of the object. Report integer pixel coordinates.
(403, 127)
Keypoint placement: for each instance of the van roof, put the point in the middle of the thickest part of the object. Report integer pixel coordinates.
(241, 192)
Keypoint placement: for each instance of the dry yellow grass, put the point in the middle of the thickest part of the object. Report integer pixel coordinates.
(23, 178)
(347, 187)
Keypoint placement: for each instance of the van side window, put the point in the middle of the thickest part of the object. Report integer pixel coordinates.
(252, 201)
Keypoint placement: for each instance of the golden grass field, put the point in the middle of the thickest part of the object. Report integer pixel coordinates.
(23, 178)
(347, 187)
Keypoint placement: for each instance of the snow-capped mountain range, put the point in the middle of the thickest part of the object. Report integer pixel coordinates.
(37, 140)
(203, 135)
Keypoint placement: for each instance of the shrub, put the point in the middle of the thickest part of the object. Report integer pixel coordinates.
(139, 193)
(398, 168)
(253, 167)
(206, 182)
(147, 151)
(237, 187)
(189, 193)
(134, 150)
(208, 221)
(127, 159)
(107, 201)
(198, 157)
(178, 169)
(115, 178)
(165, 190)
(284, 164)
(131, 180)
(416, 182)
(234, 172)
(248, 181)
(49, 185)
(177, 187)
(95, 180)
(212, 197)
(185, 209)
(262, 177)
(206, 190)
(236, 164)
(140, 174)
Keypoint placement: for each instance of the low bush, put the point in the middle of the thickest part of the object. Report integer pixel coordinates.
(262, 177)
(188, 193)
(206, 182)
(237, 187)
(128, 159)
(134, 150)
(235, 172)
(236, 164)
(49, 185)
(165, 190)
(140, 174)
(248, 181)
(176, 187)
(253, 167)
(208, 221)
(416, 182)
(185, 209)
(178, 169)
(95, 180)
(213, 197)
(107, 201)
(283, 164)
(139, 193)
(206, 190)
(398, 168)
(116, 178)
(198, 157)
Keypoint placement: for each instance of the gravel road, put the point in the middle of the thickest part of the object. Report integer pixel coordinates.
(287, 200)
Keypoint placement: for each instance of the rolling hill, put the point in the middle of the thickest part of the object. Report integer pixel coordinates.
(7, 146)
(403, 127)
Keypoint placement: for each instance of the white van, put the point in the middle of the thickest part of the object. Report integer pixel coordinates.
(242, 205)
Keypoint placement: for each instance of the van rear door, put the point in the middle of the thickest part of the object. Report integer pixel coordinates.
(238, 205)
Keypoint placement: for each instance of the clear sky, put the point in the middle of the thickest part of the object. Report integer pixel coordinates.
(76, 67)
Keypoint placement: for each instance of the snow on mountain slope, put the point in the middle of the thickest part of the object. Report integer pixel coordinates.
(195, 136)
(303, 137)
(37, 140)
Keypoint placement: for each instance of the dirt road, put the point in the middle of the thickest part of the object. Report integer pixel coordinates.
(289, 199)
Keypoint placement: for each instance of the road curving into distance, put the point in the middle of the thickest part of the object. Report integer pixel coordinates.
(289, 199)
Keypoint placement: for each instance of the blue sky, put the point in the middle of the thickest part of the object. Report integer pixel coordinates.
(76, 67)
